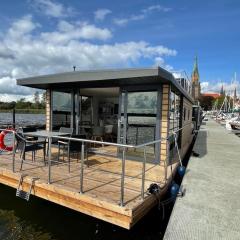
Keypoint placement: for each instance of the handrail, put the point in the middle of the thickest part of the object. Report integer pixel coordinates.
(119, 144)
(94, 141)
(124, 146)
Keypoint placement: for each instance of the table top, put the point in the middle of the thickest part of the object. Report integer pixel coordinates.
(45, 134)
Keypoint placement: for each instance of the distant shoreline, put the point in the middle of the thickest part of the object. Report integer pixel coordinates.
(24, 111)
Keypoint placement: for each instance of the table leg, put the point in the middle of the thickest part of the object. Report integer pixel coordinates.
(49, 159)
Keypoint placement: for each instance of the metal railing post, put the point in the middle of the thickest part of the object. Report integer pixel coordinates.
(49, 159)
(143, 172)
(123, 177)
(14, 150)
(81, 171)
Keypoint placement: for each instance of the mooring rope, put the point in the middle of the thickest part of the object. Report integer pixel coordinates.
(176, 145)
(162, 204)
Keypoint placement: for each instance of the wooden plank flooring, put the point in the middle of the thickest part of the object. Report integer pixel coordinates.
(101, 184)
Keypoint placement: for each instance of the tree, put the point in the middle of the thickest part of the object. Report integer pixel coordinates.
(22, 104)
(44, 97)
(37, 99)
(206, 102)
(43, 101)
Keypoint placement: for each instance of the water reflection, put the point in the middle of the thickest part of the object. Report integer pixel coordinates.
(42, 220)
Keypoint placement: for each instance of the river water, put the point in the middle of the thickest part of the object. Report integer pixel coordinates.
(22, 119)
(42, 220)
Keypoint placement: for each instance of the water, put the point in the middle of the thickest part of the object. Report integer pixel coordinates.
(22, 119)
(42, 220)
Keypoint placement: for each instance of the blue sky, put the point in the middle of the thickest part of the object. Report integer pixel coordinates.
(47, 36)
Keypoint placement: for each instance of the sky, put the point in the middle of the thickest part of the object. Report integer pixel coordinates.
(49, 36)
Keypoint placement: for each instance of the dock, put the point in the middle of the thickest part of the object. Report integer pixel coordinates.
(210, 208)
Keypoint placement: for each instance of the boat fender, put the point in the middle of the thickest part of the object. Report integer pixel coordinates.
(154, 188)
(174, 190)
(181, 171)
(2, 136)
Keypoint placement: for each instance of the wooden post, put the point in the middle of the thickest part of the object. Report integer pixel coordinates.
(165, 121)
(48, 110)
(13, 118)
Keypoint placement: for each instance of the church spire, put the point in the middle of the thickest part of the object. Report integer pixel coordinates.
(196, 87)
(222, 90)
(195, 74)
(235, 94)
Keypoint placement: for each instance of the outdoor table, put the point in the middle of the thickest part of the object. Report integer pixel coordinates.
(47, 135)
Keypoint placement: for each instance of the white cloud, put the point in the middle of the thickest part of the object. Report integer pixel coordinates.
(215, 86)
(25, 53)
(142, 15)
(159, 62)
(8, 87)
(5, 53)
(52, 8)
(22, 27)
(204, 86)
(100, 14)
(68, 32)
(124, 21)
(121, 21)
(156, 8)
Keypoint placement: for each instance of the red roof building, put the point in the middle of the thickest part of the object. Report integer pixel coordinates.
(214, 95)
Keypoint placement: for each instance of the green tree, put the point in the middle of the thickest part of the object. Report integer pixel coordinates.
(206, 102)
(43, 101)
(36, 99)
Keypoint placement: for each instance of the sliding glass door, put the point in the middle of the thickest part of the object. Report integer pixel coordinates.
(139, 120)
(61, 109)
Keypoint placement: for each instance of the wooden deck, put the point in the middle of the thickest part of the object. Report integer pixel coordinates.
(101, 185)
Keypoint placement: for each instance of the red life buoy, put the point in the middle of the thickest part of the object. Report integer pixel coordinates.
(2, 136)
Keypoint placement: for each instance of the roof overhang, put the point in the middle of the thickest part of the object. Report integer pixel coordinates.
(103, 78)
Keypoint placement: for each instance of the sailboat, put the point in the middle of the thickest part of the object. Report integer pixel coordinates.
(234, 122)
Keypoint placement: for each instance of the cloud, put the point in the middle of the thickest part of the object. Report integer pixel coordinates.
(155, 8)
(8, 87)
(124, 21)
(52, 8)
(29, 53)
(215, 86)
(22, 27)
(204, 86)
(142, 15)
(68, 32)
(100, 14)
(6, 53)
(159, 62)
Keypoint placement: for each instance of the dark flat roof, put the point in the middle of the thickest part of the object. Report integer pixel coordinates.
(103, 78)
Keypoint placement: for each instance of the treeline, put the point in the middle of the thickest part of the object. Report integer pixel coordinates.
(209, 102)
(39, 102)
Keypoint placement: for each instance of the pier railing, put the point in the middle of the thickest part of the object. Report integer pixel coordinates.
(123, 147)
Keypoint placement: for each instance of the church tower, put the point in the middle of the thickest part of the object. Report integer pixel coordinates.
(222, 91)
(235, 94)
(196, 88)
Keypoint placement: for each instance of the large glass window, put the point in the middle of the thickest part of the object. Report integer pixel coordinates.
(141, 117)
(86, 109)
(142, 102)
(61, 110)
(174, 112)
(140, 113)
(174, 120)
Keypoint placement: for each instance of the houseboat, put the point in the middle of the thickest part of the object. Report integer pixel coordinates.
(129, 124)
